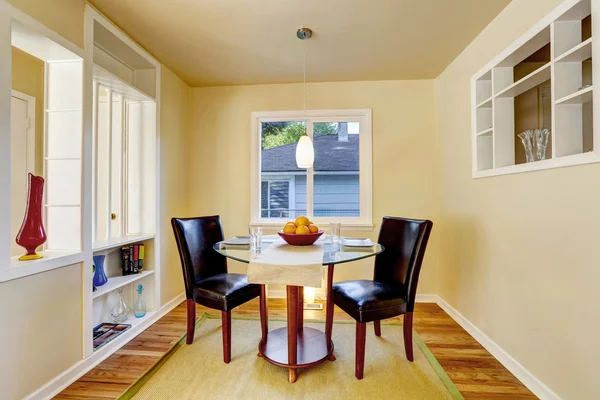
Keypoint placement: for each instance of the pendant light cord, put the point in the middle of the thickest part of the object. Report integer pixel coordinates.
(304, 79)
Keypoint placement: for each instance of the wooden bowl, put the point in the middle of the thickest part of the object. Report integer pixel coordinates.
(300, 240)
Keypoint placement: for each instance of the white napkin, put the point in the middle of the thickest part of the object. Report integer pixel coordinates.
(283, 264)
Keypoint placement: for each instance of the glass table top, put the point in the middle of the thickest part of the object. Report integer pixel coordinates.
(334, 254)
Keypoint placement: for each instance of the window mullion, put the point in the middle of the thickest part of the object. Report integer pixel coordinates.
(309, 175)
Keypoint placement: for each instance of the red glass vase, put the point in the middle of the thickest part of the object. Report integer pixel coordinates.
(32, 233)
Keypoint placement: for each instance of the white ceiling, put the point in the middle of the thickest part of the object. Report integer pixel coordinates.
(239, 42)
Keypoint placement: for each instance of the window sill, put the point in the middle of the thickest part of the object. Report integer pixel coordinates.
(350, 226)
(52, 260)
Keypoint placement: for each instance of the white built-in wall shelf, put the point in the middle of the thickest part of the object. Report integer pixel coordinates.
(120, 281)
(124, 157)
(116, 243)
(543, 80)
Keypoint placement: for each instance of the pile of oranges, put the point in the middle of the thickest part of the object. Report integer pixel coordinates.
(301, 226)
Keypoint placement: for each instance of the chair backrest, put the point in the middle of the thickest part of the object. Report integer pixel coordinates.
(195, 238)
(399, 265)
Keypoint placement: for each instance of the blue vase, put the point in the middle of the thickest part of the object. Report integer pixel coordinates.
(99, 275)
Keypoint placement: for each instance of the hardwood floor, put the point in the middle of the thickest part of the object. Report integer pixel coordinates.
(473, 370)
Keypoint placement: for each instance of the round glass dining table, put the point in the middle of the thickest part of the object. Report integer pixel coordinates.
(296, 346)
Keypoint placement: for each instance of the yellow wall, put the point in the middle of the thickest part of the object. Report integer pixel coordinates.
(520, 252)
(404, 152)
(28, 78)
(174, 176)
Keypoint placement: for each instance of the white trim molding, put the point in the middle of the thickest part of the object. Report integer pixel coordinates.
(62, 381)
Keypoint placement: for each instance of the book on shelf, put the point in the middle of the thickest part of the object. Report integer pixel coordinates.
(133, 259)
(106, 332)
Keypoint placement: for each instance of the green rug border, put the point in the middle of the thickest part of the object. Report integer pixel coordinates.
(142, 380)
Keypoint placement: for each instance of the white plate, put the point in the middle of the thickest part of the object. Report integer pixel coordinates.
(238, 241)
(357, 242)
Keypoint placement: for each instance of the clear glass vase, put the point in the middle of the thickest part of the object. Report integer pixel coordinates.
(540, 143)
(120, 311)
(526, 138)
(139, 309)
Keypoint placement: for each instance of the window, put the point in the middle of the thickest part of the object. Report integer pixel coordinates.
(337, 188)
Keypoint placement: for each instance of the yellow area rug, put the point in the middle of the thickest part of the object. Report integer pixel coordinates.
(197, 371)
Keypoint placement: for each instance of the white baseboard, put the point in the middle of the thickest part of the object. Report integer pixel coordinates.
(78, 369)
(510, 363)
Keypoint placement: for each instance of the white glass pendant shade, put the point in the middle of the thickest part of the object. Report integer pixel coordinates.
(305, 152)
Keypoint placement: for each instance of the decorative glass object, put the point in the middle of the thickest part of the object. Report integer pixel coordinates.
(255, 238)
(336, 229)
(99, 274)
(540, 142)
(139, 309)
(120, 311)
(526, 138)
(32, 233)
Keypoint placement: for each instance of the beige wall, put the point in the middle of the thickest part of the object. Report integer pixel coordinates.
(520, 252)
(404, 152)
(174, 176)
(40, 316)
(28, 78)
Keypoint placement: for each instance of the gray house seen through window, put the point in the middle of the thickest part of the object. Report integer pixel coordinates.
(336, 170)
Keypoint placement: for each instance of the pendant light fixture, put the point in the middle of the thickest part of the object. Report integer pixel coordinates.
(305, 152)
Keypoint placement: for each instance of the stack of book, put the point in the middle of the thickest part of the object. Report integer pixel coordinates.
(133, 259)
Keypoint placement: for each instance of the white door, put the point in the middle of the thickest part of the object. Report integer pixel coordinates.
(22, 146)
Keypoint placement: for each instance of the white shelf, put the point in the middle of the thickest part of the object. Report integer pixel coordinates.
(486, 103)
(114, 243)
(581, 96)
(51, 260)
(579, 53)
(558, 162)
(128, 335)
(119, 281)
(532, 80)
(487, 131)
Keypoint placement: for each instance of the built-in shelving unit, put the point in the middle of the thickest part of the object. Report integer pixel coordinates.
(124, 154)
(543, 80)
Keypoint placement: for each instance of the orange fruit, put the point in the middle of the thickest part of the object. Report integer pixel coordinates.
(291, 223)
(302, 230)
(310, 223)
(302, 221)
(313, 228)
(289, 228)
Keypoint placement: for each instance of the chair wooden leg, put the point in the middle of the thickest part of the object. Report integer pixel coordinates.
(226, 331)
(264, 317)
(361, 336)
(408, 345)
(191, 320)
(377, 325)
(329, 310)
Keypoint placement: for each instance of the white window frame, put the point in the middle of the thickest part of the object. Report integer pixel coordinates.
(364, 117)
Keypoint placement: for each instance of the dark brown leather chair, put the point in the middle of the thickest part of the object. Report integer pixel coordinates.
(206, 279)
(393, 289)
